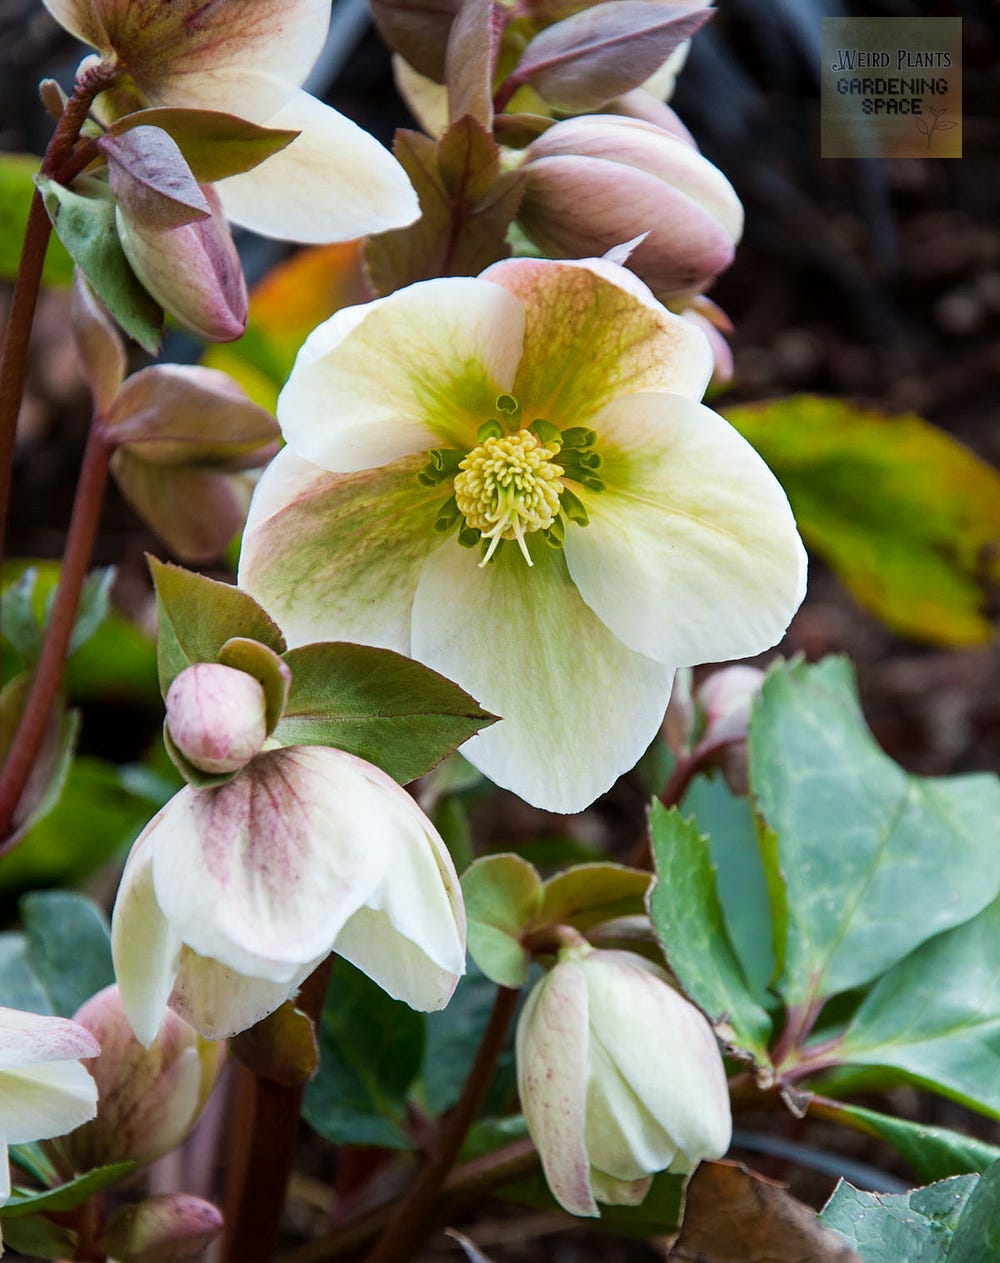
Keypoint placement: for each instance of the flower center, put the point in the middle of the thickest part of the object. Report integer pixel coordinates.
(507, 487)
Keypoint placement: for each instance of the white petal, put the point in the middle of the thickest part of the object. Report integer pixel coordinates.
(77, 17)
(261, 873)
(422, 369)
(410, 936)
(45, 1100)
(578, 708)
(623, 1139)
(29, 1038)
(218, 1002)
(552, 1068)
(144, 948)
(338, 556)
(691, 554)
(334, 182)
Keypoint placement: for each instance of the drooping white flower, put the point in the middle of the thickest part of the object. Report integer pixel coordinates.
(233, 894)
(545, 416)
(619, 1077)
(44, 1090)
(334, 182)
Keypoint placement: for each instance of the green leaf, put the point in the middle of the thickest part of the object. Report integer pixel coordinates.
(977, 1234)
(467, 204)
(657, 1215)
(740, 875)
(68, 948)
(503, 895)
(267, 669)
(197, 615)
(66, 1196)
(86, 226)
(875, 861)
(452, 1037)
(27, 607)
(100, 811)
(19, 985)
(214, 145)
(36, 1237)
(891, 1227)
(936, 1015)
(378, 705)
(282, 1047)
(370, 1049)
(21, 626)
(934, 1153)
(687, 916)
(94, 606)
(17, 188)
(48, 777)
(907, 517)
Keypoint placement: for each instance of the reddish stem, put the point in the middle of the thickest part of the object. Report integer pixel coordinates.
(17, 335)
(413, 1217)
(262, 1150)
(48, 673)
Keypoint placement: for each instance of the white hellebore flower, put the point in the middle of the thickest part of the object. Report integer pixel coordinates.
(248, 57)
(619, 1077)
(510, 479)
(233, 894)
(44, 1091)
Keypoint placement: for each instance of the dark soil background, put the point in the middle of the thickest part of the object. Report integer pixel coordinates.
(877, 281)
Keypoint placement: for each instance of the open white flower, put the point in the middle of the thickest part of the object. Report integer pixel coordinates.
(334, 182)
(544, 415)
(233, 894)
(44, 1091)
(619, 1077)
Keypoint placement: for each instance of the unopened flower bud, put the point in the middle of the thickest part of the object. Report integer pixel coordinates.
(148, 1098)
(619, 1077)
(193, 271)
(216, 716)
(172, 1228)
(596, 181)
(725, 700)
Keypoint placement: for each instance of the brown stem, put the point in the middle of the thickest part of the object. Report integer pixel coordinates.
(17, 335)
(413, 1217)
(261, 1156)
(48, 673)
(799, 1022)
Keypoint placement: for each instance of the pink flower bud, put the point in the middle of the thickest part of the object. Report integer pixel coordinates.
(216, 716)
(193, 271)
(148, 1098)
(599, 180)
(725, 699)
(619, 1077)
(172, 1228)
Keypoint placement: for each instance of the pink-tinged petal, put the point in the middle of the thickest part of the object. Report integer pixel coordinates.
(578, 708)
(422, 369)
(595, 332)
(219, 1002)
(410, 936)
(261, 873)
(691, 554)
(338, 556)
(552, 1070)
(28, 1039)
(146, 952)
(208, 56)
(78, 17)
(45, 1100)
(334, 182)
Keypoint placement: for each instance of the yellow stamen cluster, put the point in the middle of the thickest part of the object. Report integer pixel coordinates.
(508, 487)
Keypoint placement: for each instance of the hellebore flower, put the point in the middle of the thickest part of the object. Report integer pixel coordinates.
(233, 894)
(619, 1077)
(598, 180)
(44, 1090)
(149, 1098)
(332, 183)
(509, 479)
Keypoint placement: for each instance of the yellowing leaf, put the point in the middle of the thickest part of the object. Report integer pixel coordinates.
(906, 516)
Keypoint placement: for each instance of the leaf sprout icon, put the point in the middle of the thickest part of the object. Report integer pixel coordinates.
(940, 124)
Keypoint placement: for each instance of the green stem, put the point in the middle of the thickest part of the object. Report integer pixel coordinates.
(413, 1218)
(17, 336)
(48, 673)
(263, 1149)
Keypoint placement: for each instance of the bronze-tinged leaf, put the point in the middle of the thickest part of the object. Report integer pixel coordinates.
(282, 1048)
(417, 30)
(471, 61)
(734, 1215)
